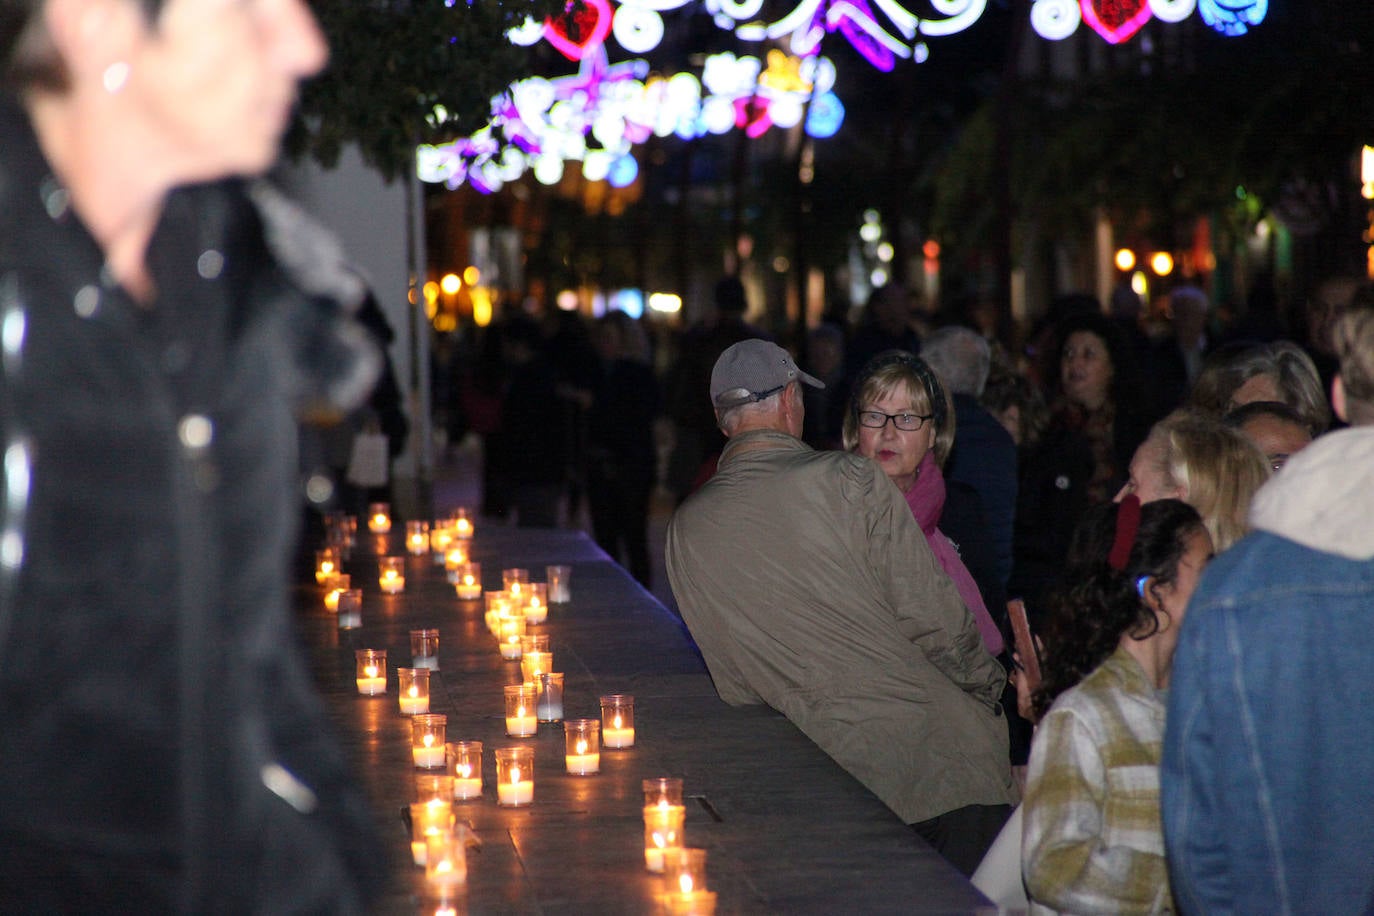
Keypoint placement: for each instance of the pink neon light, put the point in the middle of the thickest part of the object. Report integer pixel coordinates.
(1123, 30)
(554, 29)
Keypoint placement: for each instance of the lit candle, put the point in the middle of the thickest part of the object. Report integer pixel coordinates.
(391, 575)
(465, 759)
(413, 690)
(514, 782)
(618, 721)
(662, 832)
(536, 606)
(446, 866)
(440, 537)
(335, 585)
(379, 519)
(417, 537)
(427, 739)
(512, 627)
(533, 663)
(455, 559)
(371, 671)
(582, 753)
(520, 718)
(469, 584)
(326, 564)
(462, 525)
(430, 818)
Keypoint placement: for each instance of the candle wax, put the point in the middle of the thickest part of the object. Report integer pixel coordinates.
(350, 620)
(392, 584)
(372, 685)
(521, 726)
(469, 591)
(412, 705)
(510, 650)
(617, 737)
(425, 661)
(515, 793)
(465, 788)
(536, 614)
(549, 710)
(583, 764)
(428, 757)
(559, 593)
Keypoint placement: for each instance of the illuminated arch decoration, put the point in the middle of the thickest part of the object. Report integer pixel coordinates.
(1117, 21)
(597, 115)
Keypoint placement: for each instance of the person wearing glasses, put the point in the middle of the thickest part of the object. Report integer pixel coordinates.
(902, 417)
(808, 586)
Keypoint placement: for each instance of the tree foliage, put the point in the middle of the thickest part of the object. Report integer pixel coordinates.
(394, 63)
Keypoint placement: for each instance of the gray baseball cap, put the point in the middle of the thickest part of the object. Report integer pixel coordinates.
(751, 370)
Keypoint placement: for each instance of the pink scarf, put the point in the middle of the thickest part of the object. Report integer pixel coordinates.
(927, 501)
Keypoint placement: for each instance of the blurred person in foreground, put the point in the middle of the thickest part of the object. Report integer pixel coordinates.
(1092, 841)
(165, 322)
(808, 586)
(1276, 429)
(1267, 778)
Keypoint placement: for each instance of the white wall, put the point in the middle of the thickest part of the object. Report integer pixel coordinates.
(370, 217)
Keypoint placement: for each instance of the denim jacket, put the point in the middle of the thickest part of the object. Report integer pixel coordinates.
(1267, 779)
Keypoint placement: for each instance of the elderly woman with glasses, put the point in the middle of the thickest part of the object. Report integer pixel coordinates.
(902, 417)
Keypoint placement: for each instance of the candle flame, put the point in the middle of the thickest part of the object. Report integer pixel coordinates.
(617, 723)
(370, 671)
(520, 712)
(515, 588)
(464, 770)
(467, 579)
(581, 747)
(327, 566)
(659, 840)
(429, 740)
(684, 881)
(443, 866)
(414, 691)
(514, 775)
(379, 519)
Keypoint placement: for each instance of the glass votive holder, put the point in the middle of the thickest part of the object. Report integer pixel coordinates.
(350, 608)
(662, 790)
(348, 530)
(379, 518)
(559, 577)
(461, 523)
(465, 763)
(440, 539)
(548, 706)
(521, 721)
(582, 746)
(371, 671)
(685, 869)
(333, 587)
(428, 818)
(469, 584)
(455, 558)
(534, 662)
(417, 537)
(427, 734)
(412, 688)
(662, 832)
(514, 776)
(517, 577)
(424, 648)
(618, 720)
(326, 564)
(391, 574)
(433, 787)
(446, 862)
(536, 603)
(510, 628)
(496, 604)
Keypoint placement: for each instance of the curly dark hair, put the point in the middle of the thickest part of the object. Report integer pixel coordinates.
(1088, 617)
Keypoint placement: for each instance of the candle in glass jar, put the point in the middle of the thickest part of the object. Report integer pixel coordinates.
(618, 721)
(469, 584)
(427, 819)
(371, 671)
(427, 739)
(514, 775)
(446, 866)
(326, 564)
(521, 721)
(392, 575)
(333, 587)
(417, 537)
(536, 603)
(440, 537)
(549, 700)
(462, 525)
(533, 663)
(582, 755)
(424, 648)
(413, 690)
(350, 608)
(662, 832)
(560, 591)
(379, 518)
(465, 764)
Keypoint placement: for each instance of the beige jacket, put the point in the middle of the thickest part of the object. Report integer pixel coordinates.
(808, 586)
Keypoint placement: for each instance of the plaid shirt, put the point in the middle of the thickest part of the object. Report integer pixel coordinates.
(1093, 841)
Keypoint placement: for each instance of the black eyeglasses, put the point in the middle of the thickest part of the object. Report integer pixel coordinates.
(906, 422)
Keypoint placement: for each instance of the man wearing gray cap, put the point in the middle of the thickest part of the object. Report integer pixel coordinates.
(808, 586)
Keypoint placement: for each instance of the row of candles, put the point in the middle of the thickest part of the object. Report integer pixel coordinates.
(438, 840)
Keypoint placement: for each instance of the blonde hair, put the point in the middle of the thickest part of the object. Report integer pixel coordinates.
(1218, 469)
(1292, 371)
(1353, 341)
(899, 372)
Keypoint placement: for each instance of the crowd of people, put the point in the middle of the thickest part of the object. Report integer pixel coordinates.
(1198, 573)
